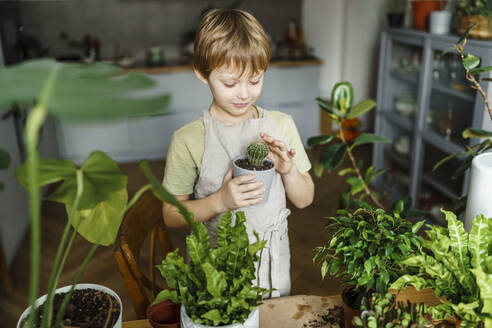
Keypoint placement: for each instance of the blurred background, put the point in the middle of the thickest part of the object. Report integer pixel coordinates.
(388, 49)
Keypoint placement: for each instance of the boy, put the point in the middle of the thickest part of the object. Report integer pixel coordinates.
(231, 55)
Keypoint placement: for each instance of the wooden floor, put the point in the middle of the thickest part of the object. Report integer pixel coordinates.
(306, 231)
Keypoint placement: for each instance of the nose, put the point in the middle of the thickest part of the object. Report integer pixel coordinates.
(243, 92)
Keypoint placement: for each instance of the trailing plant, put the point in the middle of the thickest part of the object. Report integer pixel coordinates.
(257, 152)
(385, 311)
(339, 109)
(471, 65)
(474, 8)
(368, 247)
(458, 266)
(4, 163)
(216, 287)
(94, 194)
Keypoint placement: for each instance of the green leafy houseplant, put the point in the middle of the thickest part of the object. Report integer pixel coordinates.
(367, 249)
(95, 194)
(216, 287)
(474, 8)
(332, 156)
(458, 266)
(386, 311)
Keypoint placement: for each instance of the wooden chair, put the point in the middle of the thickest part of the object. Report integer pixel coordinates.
(143, 219)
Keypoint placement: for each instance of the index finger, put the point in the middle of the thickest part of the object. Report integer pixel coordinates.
(244, 178)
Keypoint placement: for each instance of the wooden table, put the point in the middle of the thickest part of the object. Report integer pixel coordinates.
(295, 311)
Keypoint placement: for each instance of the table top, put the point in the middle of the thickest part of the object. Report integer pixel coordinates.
(299, 310)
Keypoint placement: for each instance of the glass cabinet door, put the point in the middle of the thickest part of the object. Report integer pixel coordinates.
(397, 159)
(404, 76)
(451, 99)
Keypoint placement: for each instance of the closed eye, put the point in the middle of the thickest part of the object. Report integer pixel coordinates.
(254, 82)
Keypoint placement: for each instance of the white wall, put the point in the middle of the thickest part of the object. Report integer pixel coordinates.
(345, 35)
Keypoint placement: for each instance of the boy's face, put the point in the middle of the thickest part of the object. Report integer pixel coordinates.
(234, 94)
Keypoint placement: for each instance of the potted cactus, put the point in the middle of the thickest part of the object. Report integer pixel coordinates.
(257, 163)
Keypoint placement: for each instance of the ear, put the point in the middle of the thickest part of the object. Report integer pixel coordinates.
(200, 76)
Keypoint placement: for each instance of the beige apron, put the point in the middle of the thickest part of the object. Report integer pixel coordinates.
(222, 143)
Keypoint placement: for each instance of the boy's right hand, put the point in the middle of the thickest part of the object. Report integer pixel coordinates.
(236, 192)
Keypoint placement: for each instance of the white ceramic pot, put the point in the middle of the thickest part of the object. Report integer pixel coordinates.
(479, 201)
(266, 176)
(65, 289)
(440, 22)
(253, 321)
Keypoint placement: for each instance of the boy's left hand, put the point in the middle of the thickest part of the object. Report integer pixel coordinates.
(279, 154)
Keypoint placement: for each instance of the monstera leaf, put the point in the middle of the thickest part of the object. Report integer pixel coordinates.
(79, 91)
(100, 225)
(101, 177)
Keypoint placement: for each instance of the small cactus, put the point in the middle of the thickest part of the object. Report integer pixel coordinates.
(257, 152)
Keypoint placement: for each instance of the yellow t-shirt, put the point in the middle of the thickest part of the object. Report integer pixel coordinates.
(185, 153)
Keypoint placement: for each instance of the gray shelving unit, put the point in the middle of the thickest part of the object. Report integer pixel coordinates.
(423, 105)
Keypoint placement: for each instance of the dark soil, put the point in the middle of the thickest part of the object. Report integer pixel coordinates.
(332, 318)
(245, 164)
(87, 308)
(353, 298)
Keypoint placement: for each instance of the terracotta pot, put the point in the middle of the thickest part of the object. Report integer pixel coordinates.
(164, 314)
(481, 31)
(348, 311)
(422, 10)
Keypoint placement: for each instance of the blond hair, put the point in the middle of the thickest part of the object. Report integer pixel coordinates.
(230, 37)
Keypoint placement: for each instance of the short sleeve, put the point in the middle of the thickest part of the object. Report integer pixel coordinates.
(181, 171)
(301, 159)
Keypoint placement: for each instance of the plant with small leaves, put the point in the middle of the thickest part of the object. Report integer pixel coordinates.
(385, 311)
(471, 65)
(367, 248)
(257, 152)
(397, 6)
(474, 8)
(339, 109)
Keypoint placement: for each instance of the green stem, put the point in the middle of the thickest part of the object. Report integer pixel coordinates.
(66, 299)
(57, 266)
(137, 196)
(357, 170)
(33, 125)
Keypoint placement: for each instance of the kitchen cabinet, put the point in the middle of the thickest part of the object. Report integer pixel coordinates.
(423, 104)
(290, 89)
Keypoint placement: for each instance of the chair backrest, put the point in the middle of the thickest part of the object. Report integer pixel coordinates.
(142, 220)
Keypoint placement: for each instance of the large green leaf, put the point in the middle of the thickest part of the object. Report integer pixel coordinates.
(4, 159)
(361, 108)
(476, 133)
(459, 239)
(479, 240)
(101, 177)
(369, 138)
(224, 229)
(332, 156)
(100, 225)
(484, 282)
(342, 91)
(79, 91)
(216, 281)
(319, 140)
(326, 106)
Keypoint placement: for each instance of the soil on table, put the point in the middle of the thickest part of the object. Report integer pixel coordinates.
(332, 317)
(245, 164)
(87, 308)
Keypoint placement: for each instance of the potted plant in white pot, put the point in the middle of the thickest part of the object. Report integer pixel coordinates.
(215, 288)
(257, 163)
(94, 194)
